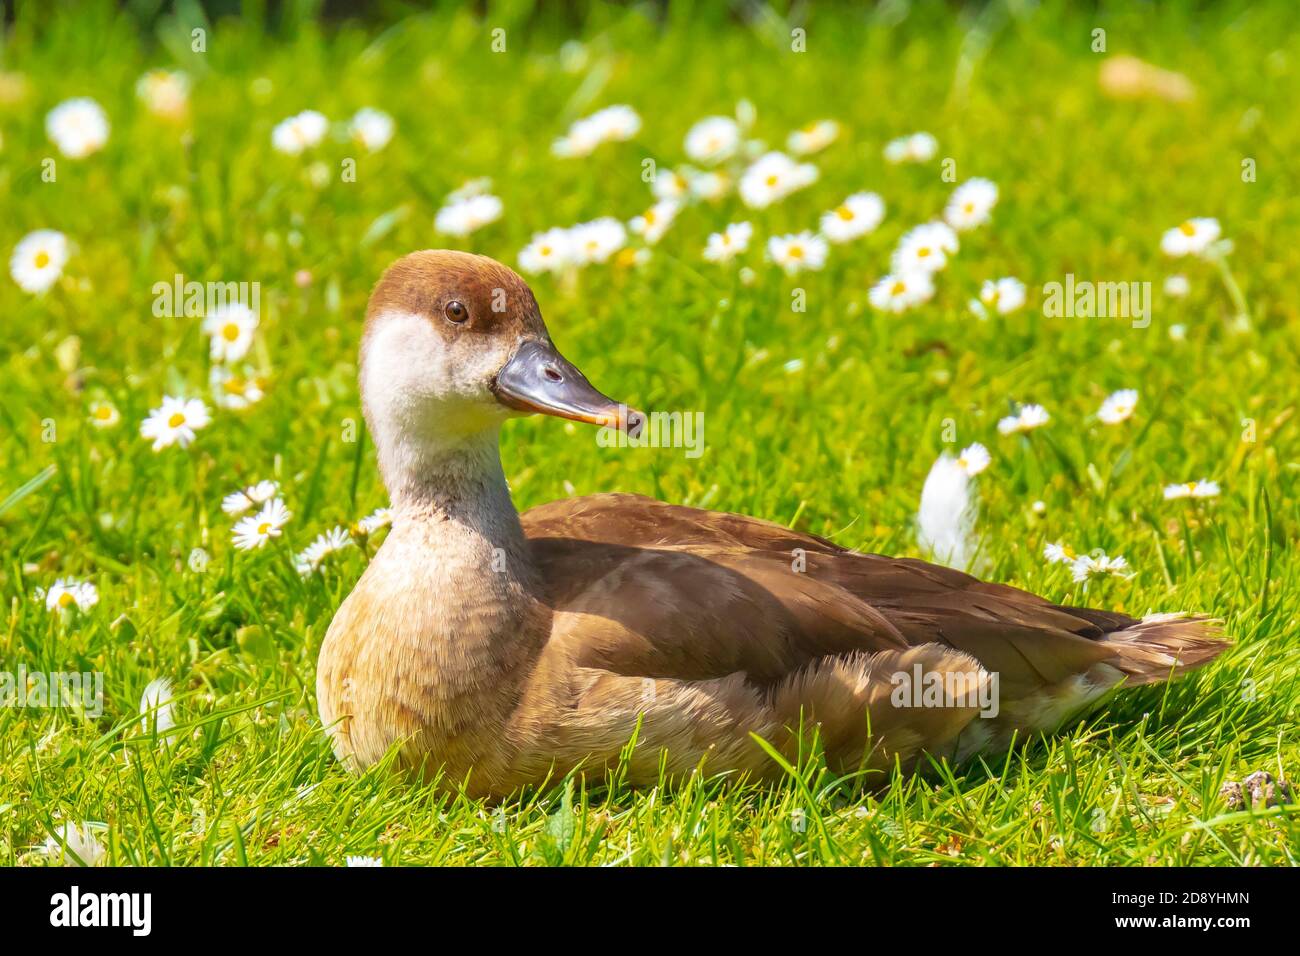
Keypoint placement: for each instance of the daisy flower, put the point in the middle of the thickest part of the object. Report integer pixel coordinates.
(924, 248)
(916, 148)
(858, 215)
(237, 502)
(364, 861)
(174, 422)
(713, 140)
(1118, 406)
(66, 593)
(462, 216)
(255, 530)
(372, 128)
(654, 222)
(973, 459)
(672, 183)
(731, 242)
(795, 253)
(547, 252)
(379, 518)
(232, 390)
(104, 414)
(611, 125)
(1193, 238)
(77, 127)
(971, 204)
(230, 328)
(813, 138)
(1003, 296)
(157, 711)
(710, 186)
(597, 240)
(1059, 553)
(900, 292)
(300, 132)
(1027, 419)
(1192, 489)
(1087, 566)
(772, 177)
(38, 260)
(332, 541)
(1177, 286)
(165, 93)
(74, 845)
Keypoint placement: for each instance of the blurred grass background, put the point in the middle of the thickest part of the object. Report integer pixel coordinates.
(838, 447)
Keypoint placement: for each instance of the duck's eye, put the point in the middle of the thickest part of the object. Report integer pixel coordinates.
(456, 312)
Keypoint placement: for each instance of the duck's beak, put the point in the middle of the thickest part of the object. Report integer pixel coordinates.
(538, 379)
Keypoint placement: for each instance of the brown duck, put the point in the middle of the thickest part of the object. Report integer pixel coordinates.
(496, 651)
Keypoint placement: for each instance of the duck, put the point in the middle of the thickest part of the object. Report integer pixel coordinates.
(488, 652)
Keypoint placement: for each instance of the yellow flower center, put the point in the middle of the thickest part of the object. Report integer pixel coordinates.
(898, 288)
(795, 252)
(773, 180)
(264, 528)
(42, 259)
(1187, 229)
(230, 331)
(102, 412)
(176, 421)
(969, 207)
(545, 250)
(649, 217)
(234, 385)
(922, 252)
(845, 213)
(66, 599)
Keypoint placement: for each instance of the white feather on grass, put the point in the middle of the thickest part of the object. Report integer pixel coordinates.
(946, 518)
(73, 845)
(157, 710)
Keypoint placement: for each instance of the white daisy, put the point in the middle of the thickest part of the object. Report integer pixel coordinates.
(237, 502)
(731, 242)
(165, 93)
(66, 593)
(672, 183)
(654, 222)
(174, 422)
(255, 530)
(104, 414)
(74, 845)
(973, 459)
(38, 260)
(1194, 237)
(597, 240)
(1178, 332)
(1087, 566)
(1004, 296)
(77, 127)
(858, 215)
(916, 148)
(372, 128)
(300, 132)
(234, 390)
(460, 217)
(924, 248)
(365, 861)
(230, 329)
(772, 177)
(1118, 406)
(898, 293)
(474, 187)
(813, 138)
(379, 518)
(1027, 419)
(610, 125)
(332, 541)
(713, 140)
(971, 204)
(710, 186)
(157, 710)
(1177, 286)
(795, 253)
(547, 252)
(1059, 553)
(1192, 489)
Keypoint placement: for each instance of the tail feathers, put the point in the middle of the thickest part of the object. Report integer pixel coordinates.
(1163, 645)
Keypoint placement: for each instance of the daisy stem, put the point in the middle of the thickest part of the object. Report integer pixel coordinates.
(1234, 290)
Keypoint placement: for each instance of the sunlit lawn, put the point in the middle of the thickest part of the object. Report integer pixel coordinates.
(826, 419)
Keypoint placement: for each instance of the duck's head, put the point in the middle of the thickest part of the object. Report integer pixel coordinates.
(454, 345)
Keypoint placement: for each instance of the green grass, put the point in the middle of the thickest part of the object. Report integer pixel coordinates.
(839, 448)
